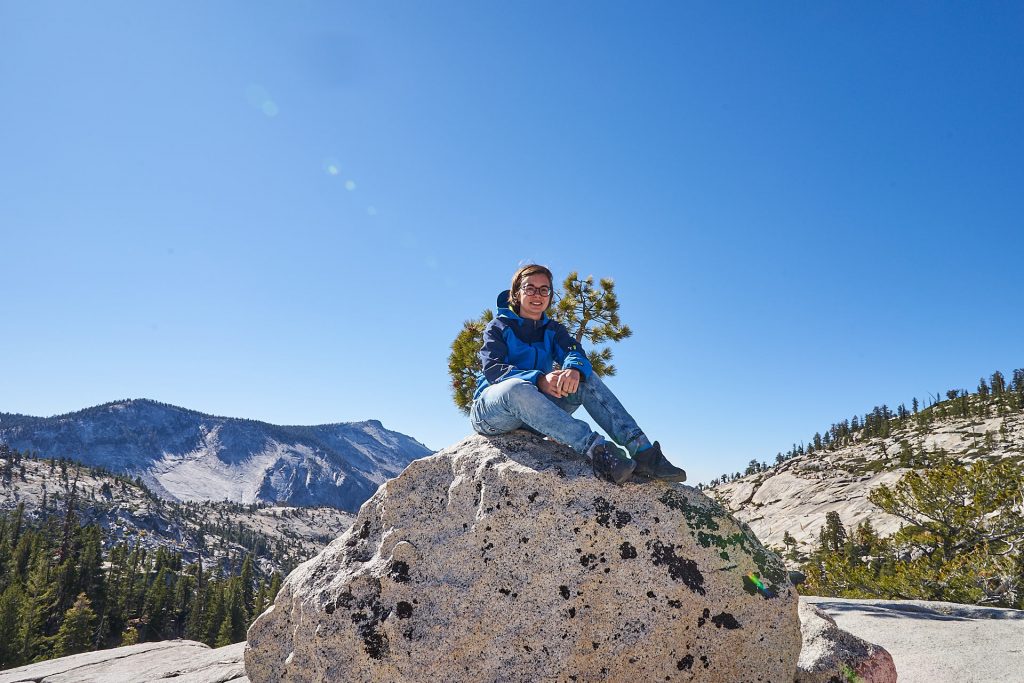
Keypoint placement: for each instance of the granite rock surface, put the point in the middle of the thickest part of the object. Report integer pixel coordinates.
(504, 559)
(831, 654)
(180, 661)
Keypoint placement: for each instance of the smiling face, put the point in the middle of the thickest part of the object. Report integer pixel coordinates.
(532, 306)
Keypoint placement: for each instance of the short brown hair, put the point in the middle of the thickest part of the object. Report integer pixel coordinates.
(520, 277)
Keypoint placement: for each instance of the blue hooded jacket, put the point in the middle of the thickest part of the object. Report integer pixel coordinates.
(526, 349)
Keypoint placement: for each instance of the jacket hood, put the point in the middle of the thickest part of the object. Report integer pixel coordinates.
(505, 310)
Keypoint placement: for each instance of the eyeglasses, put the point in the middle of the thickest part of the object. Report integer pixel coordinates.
(530, 290)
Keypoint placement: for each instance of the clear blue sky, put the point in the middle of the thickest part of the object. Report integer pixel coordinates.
(284, 211)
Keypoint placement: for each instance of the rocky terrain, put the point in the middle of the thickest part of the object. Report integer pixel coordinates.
(219, 533)
(184, 455)
(928, 642)
(466, 565)
(794, 496)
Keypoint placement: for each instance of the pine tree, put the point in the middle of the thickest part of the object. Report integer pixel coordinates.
(247, 586)
(37, 606)
(75, 634)
(11, 601)
(155, 607)
(833, 534)
(275, 586)
(592, 313)
(953, 509)
(196, 624)
(129, 636)
(464, 360)
(261, 600)
(90, 566)
(1018, 381)
(216, 609)
(180, 603)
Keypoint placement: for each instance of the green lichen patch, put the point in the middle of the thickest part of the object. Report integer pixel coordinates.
(705, 521)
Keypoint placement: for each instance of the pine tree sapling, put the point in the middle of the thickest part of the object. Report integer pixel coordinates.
(464, 360)
(75, 634)
(592, 313)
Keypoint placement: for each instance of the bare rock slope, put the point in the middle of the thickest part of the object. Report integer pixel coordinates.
(794, 496)
(504, 559)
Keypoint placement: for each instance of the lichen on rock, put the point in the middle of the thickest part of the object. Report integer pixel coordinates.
(504, 559)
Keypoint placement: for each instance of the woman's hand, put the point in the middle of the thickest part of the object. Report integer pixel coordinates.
(549, 384)
(568, 381)
(559, 383)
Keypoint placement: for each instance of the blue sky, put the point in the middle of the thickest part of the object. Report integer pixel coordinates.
(285, 211)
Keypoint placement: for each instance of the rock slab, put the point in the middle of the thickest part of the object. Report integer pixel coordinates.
(180, 661)
(504, 559)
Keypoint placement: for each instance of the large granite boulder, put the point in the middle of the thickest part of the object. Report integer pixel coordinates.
(831, 654)
(504, 559)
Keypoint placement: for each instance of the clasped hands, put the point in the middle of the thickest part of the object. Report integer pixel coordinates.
(559, 383)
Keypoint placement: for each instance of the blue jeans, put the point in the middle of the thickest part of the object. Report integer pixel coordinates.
(516, 403)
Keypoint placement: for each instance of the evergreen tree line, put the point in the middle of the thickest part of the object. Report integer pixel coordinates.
(210, 519)
(961, 540)
(60, 594)
(994, 396)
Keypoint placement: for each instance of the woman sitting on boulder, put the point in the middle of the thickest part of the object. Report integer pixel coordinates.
(517, 387)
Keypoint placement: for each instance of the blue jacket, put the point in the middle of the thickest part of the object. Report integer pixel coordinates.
(524, 348)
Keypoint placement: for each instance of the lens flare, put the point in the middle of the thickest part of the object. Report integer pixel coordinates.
(259, 98)
(752, 581)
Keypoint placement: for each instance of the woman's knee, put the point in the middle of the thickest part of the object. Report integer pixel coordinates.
(517, 390)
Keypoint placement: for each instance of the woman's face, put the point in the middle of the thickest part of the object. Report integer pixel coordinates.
(532, 306)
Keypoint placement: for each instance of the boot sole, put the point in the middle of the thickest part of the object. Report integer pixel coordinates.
(675, 478)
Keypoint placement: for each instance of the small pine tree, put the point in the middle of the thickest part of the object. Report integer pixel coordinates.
(593, 313)
(75, 633)
(247, 587)
(130, 636)
(464, 360)
(833, 534)
(10, 606)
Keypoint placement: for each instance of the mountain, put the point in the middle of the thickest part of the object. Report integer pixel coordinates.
(795, 495)
(184, 455)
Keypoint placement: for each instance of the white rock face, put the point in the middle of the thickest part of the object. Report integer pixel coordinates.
(832, 654)
(504, 559)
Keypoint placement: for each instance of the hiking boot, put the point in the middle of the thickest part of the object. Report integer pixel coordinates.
(610, 462)
(653, 464)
